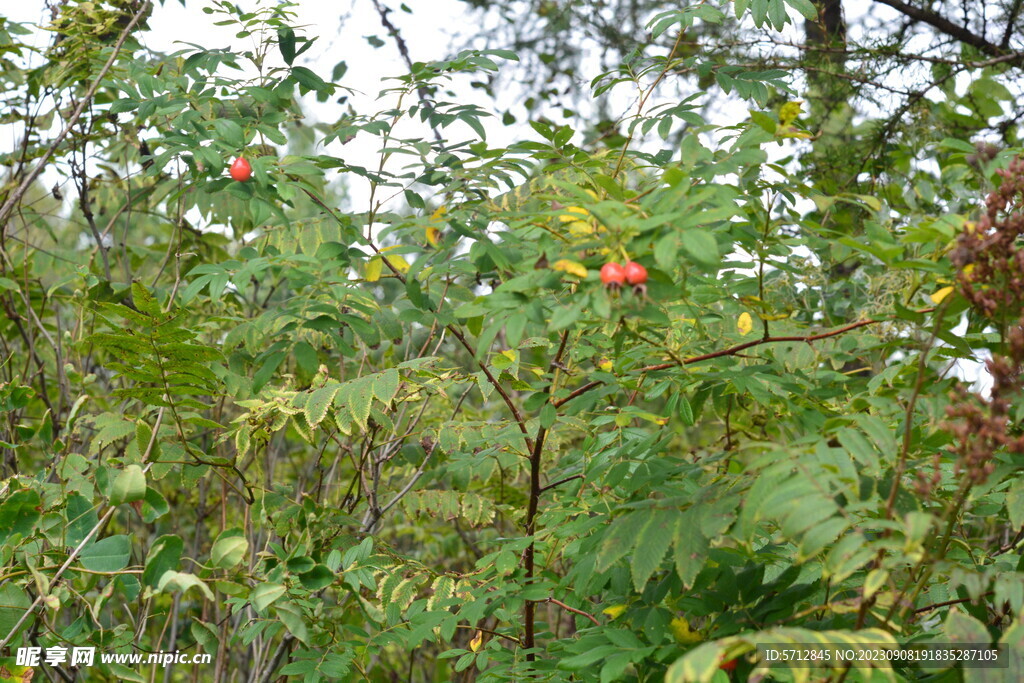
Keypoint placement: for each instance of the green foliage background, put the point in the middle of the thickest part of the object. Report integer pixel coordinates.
(394, 428)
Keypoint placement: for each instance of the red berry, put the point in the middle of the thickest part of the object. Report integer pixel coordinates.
(635, 273)
(729, 665)
(241, 170)
(612, 274)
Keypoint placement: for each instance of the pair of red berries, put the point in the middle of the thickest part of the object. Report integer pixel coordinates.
(241, 170)
(614, 276)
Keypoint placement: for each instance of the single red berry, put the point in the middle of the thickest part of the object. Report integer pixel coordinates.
(635, 273)
(729, 665)
(241, 170)
(612, 274)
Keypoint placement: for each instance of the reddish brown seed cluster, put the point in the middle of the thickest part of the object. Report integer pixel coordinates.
(614, 276)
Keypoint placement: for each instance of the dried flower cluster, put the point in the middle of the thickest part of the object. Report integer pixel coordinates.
(990, 272)
(990, 265)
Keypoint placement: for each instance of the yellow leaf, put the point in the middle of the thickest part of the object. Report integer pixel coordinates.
(792, 132)
(373, 269)
(614, 612)
(579, 221)
(745, 324)
(438, 214)
(681, 631)
(396, 260)
(581, 228)
(571, 267)
(938, 296)
(789, 112)
(477, 641)
(774, 316)
(968, 269)
(605, 365)
(510, 354)
(433, 236)
(576, 213)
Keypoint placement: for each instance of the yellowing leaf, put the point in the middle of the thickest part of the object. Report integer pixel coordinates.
(938, 296)
(789, 112)
(614, 612)
(792, 132)
(968, 269)
(773, 316)
(396, 260)
(433, 235)
(581, 229)
(579, 222)
(373, 269)
(745, 324)
(478, 640)
(681, 631)
(576, 213)
(510, 354)
(605, 365)
(572, 267)
(438, 214)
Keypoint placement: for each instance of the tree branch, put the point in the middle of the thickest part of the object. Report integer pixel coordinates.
(939, 22)
(574, 610)
(1011, 20)
(732, 351)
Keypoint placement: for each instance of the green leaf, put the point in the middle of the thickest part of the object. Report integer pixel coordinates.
(685, 410)
(690, 548)
(82, 519)
(154, 506)
(385, 386)
(619, 539)
(318, 403)
(110, 554)
(291, 616)
(229, 549)
(309, 80)
(14, 601)
(651, 545)
(318, 577)
(804, 7)
(230, 133)
(263, 595)
(129, 486)
(164, 555)
(702, 247)
(173, 581)
(286, 43)
(19, 514)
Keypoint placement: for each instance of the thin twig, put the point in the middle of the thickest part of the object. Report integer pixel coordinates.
(574, 610)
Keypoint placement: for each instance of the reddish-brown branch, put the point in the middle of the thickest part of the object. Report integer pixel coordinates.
(731, 351)
(573, 610)
(536, 458)
(947, 603)
(560, 482)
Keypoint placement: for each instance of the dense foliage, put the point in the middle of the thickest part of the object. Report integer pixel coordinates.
(385, 422)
